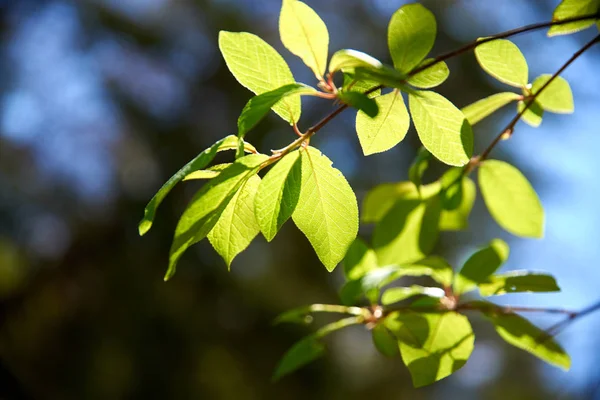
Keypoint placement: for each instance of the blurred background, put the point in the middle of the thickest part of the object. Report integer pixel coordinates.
(101, 101)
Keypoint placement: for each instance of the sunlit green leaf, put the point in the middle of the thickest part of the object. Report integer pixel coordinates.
(570, 9)
(442, 128)
(385, 76)
(433, 346)
(431, 77)
(481, 109)
(533, 115)
(382, 198)
(198, 163)
(503, 60)
(418, 167)
(209, 173)
(396, 294)
(237, 226)
(257, 66)
(258, 107)
(346, 60)
(510, 199)
(360, 101)
(458, 219)
(557, 97)
(411, 34)
(521, 333)
(361, 86)
(408, 232)
(278, 195)
(384, 341)
(387, 129)
(304, 34)
(451, 192)
(208, 204)
(327, 211)
(433, 266)
(359, 260)
(518, 282)
(481, 265)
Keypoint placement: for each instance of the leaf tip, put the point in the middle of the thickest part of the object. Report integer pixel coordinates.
(144, 226)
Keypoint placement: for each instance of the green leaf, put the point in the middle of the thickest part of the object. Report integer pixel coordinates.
(521, 333)
(458, 219)
(518, 282)
(385, 76)
(442, 128)
(570, 9)
(418, 167)
(433, 266)
(481, 265)
(258, 67)
(347, 59)
(360, 101)
(411, 34)
(384, 341)
(303, 352)
(198, 163)
(503, 60)
(301, 314)
(209, 173)
(557, 97)
(408, 232)
(208, 204)
(483, 108)
(361, 86)
(237, 226)
(397, 294)
(327, 211)
(533, 115)
(432, 76)
(433, 346)
(304, 34)
(278, 195)
(451, 192)
(258, 106)
(389, 126)
(510, 199)
(359, 260)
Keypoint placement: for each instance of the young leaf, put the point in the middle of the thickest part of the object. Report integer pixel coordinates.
(458, 219)
(396, 294)
(198, 163)
(385, 76)
(503, 60)
(258, 106)
(361, 86)
(510, 199)
(209, 173)
(570, 9)
(481, 109)
(387, 129)
(304, 34)
(346, 60)
(521, 333)
(237, 226)
(408, 232)
(442, 128)
(259, 67)
(533, 115)
(278, 195)
(380, 200)
(518, 282)
(418, 167)
(208, 204)
(359, 260)
(481, 265)
(327, 211)
(431, 77)
(303, 352)
(557, 97)
(411, 34)
(360, 101)
(433, 346)
(384, 341)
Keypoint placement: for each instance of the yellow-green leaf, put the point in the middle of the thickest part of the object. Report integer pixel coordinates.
(510, 199)
(503, 60)
(432, 76)
(359, 260)
(458, 219)
(389, 126)
(533, 115)
(518, 282)
(557, 97)
(442, 128)
(571, 9)
(384, 341)
(481, 265)
(304, 34)
(260, 68)
(347, 59)
(327, 211)
(397, 294)
(481, 109)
